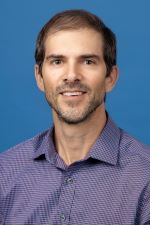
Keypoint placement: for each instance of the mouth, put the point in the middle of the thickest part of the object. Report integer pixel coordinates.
(73, 93)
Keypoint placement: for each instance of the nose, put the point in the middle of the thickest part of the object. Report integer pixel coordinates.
(72, 72)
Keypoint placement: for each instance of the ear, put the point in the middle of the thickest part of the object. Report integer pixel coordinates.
(39, 78)
(112, 79)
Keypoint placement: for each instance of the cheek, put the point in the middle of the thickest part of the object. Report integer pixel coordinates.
(97, 78)
(98, 85)
(100, 90)
(51, 79)
(49, 87)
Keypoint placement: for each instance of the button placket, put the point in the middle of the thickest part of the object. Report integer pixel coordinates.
(66, 197)
(69, 180)
(62, 217)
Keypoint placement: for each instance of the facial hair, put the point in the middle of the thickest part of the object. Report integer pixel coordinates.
(73, 115)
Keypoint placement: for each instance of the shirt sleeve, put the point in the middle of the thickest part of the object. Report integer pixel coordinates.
(145, 209)
(1, 216)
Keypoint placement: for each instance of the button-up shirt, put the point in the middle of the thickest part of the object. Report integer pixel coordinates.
(111, 186)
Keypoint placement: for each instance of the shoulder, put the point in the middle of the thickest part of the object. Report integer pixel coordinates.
(15, 158)
(18, 162)
(134, 155)
(132, 146)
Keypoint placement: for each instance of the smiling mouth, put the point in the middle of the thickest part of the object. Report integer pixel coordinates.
(73, 93)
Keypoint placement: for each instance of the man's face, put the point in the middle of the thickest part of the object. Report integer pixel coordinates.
(74, 74)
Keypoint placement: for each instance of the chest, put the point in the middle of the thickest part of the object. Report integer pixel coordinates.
(90, 196)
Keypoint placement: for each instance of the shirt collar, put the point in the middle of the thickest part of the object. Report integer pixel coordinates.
(106, 147)
(44, 146)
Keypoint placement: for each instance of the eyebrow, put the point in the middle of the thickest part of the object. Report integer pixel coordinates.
(53, 56)
(93, 56)
(84, 56)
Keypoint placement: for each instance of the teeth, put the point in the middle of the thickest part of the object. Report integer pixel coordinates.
(72, 93)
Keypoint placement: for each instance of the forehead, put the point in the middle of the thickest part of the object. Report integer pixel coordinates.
(74, 42)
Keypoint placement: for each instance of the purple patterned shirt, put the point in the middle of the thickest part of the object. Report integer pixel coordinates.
(111, 186)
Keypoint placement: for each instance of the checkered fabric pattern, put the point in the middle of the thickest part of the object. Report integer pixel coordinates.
(111, 186)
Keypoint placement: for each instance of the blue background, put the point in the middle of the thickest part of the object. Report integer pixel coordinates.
(23, 109)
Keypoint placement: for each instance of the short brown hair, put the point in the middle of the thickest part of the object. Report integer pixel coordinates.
(72, 20)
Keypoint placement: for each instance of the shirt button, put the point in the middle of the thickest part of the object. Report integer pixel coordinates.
(69, 180)
(62, 217)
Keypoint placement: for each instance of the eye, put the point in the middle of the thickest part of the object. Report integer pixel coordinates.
(89, 61)
(56, 61)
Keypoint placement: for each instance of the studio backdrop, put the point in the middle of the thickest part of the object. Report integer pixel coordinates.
(23, 109)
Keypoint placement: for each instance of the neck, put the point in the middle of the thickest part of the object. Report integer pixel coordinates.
(73, 141)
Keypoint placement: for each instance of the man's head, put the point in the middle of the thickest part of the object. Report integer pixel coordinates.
(74, 20)
(75, 65)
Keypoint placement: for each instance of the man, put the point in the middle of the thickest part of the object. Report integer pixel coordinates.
(85, 170)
